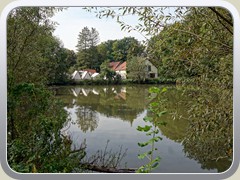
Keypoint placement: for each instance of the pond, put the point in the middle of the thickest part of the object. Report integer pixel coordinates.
(110, 115)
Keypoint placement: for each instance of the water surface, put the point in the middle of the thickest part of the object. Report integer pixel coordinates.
(102, 113)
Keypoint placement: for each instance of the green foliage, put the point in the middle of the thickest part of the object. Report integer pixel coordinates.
(33, 53)
(136, 69)
(35, 118)
(152, 131)
(211, 128)
(87, 53)
(105, 50)
(125, 48)
(35, 142)
(87, 38)
(108, 74)
(120, 50)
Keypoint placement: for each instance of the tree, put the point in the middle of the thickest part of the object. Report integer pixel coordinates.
(35, 118)
(105, 50)
(87, 55)
(87, 38)
(106, 71)
(126, 47)
(136, 69)
(108, 74)
(27, 28)
(57, 60)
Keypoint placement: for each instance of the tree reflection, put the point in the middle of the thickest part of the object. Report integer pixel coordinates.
(210, 133)
(199, 119)
(87, 119)
(202, 121)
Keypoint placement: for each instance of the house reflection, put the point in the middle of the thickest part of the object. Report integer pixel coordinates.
(113, 101)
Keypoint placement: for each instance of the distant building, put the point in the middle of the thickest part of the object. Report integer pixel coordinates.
(152, 71)
(76, 75)
(90, 71)
(85, 75)
(81, 75)
(120, 68)
(94, 75)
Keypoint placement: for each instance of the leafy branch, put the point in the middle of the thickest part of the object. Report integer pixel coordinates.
(152, 130)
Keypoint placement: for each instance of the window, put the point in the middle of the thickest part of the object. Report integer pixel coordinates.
(152, 75)
(149, 68)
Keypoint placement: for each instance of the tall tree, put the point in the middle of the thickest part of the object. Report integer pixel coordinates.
(87, 55)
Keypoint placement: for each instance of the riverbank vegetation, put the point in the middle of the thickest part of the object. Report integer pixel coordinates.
(193, 46)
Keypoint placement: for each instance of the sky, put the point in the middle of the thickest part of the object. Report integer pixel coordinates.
(74, 19)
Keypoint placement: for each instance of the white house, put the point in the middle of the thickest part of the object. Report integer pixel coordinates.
(151, 70)
(94, 75)
(119, 68)
(85, 75)
(80, 75)
(76, 75)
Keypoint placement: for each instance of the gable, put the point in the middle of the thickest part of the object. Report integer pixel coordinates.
(122, 67)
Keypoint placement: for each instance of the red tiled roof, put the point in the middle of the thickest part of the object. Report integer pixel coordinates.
(118, 66)
(92, 71)
(121, 67)
(114, 65)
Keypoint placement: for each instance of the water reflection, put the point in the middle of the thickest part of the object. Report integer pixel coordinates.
(125, 103)
(114, 112)
(210, 145)
(87, 119)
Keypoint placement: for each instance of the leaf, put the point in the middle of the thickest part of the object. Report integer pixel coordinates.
(143, 144)
(164, 90)
(147, 118)
(161, 113)
(146, 128)
(154, 104)
(142, 156)
(155, 165)
(149, 133)
(156, 139)
(154, 90)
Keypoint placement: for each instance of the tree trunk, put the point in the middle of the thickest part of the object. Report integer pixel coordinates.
(106, 169)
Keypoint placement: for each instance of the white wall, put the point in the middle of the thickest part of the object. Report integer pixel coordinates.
(123, 74)
(153, 69)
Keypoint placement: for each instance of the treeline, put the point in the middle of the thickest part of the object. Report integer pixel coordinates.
(90, 54)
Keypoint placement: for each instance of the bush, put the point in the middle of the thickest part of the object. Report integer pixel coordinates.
(35, 142)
